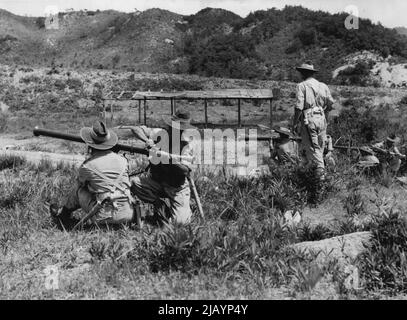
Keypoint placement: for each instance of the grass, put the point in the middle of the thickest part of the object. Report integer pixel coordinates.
(242, 249)
(241, 255)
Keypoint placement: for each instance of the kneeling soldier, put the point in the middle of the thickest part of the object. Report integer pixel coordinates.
(285, 148)
(103, 191)
(167, 180)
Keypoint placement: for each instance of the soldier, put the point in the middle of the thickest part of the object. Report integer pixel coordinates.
(167, 180)
(284, 148)
(313, 97)
(389, 155)
(103, 183)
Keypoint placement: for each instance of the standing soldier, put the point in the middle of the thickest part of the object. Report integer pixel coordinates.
(167, 180)
(313, 97)
(103, 176)
(389, 155)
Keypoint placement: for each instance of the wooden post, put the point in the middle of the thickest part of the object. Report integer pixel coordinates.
(139, 111)
(238, 114)
(111, 114)
(145, 111)
(271, 113)
(172, 106)
(104, 111)
(206, 113)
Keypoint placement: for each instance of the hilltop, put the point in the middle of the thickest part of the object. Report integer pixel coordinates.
(267, 44)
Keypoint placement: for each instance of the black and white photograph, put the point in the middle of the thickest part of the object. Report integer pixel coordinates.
(217, 152)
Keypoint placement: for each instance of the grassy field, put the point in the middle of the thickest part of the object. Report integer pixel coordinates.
(243, 249)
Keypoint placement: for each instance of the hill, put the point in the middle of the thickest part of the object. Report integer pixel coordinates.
(401, 30)
(267, 44)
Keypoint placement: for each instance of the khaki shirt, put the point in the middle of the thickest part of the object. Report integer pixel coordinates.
(110, 164)
(312, 93)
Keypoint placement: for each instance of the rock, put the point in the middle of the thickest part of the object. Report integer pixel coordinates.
(343, 248)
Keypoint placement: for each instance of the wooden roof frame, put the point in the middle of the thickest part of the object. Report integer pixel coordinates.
(220, 94)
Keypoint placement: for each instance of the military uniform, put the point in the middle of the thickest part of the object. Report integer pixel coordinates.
(312, 98)
(391, 160)
(104, 175)
(167, 180)
(284, 148)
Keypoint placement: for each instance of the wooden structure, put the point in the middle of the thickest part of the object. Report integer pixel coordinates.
(236, 94)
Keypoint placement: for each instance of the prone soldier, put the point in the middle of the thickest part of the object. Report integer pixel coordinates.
(389, 155)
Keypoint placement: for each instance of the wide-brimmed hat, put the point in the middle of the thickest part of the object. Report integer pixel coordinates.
(306, 66)
(367, 150)
(99, 137)
(180, 120)
(284, 131)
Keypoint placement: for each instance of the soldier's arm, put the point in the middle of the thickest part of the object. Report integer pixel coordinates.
(299, 106)
(83, 176)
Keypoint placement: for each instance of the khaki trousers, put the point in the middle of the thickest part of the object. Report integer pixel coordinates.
(81, 198)
(313, 140)
(148, 190)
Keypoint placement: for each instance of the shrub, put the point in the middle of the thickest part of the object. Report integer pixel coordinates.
(11, 162)
(383, 266)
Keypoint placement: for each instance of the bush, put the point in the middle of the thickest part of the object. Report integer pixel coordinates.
(357, 75)
(357, 128)
(11, 162)
(384, 265)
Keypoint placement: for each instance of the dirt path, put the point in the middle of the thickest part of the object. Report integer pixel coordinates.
(36, 157)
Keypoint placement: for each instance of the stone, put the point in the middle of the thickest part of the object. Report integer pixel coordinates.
(344, 248)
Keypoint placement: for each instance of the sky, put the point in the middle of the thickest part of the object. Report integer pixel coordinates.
(391, 13)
